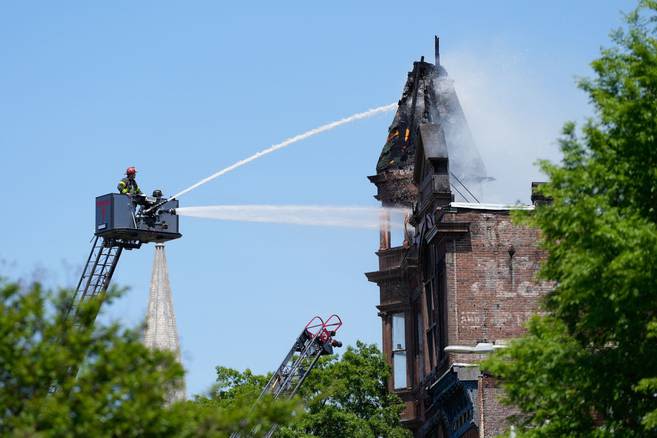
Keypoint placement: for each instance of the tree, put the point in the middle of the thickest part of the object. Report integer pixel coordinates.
(344, 396)
(589, 365)
(120, 387)
(60, 378)
(231, 406)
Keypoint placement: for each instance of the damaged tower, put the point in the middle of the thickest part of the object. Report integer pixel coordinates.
(161, 332)
(428, 98)
(463, 282)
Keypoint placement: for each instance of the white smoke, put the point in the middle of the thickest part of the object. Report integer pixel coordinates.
(515, 113)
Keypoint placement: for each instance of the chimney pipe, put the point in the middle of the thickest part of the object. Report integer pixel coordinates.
(437, 49)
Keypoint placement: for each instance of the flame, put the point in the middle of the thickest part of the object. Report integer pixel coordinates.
(393, 134)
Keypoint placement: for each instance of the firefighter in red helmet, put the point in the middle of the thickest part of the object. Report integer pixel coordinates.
(128, 185)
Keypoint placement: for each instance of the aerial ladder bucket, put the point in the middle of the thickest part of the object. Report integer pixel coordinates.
(121, 223)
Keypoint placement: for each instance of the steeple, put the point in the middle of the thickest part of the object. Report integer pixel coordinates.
(161, 332)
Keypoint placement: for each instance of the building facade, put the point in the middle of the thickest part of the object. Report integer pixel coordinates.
(461, 280)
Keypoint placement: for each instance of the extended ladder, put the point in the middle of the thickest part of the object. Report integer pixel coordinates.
(315, 340)
(97, 273)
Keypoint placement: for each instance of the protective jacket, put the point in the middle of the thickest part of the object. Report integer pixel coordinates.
(128, 186)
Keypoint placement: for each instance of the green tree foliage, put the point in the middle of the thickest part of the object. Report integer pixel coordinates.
(231, 406)
(58, 378)
(342, 397)
(589, 366)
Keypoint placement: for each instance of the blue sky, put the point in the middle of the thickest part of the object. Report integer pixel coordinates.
(182, 89)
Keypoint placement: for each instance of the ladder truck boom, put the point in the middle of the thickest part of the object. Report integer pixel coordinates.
(315, 340)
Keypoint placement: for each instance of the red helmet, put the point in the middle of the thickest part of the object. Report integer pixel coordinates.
(131, 171)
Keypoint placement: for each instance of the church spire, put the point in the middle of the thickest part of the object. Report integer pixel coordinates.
(161, 332)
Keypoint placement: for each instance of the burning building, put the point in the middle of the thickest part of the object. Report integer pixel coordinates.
(462, 282)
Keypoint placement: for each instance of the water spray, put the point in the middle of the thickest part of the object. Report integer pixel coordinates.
(327, 216)
(288, 142)
(283, 144)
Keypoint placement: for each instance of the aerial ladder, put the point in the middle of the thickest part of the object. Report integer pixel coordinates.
(315, 340)
(123, 222)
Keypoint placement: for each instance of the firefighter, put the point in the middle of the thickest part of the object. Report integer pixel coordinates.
(128, 185)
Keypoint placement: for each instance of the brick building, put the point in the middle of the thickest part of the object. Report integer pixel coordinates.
(461, 280)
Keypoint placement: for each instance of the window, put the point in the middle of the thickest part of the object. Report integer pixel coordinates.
(399, 351)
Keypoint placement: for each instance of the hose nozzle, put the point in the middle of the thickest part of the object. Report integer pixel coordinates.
(156, 206)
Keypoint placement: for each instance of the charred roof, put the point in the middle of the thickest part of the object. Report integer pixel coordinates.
(429, 97)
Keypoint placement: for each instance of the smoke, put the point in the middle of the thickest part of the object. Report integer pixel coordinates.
(326, 216)
(288, 142)
(515, 112)
(466, 166)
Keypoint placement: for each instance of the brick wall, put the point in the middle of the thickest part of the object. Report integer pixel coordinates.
(495, 415)
(491, 277)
